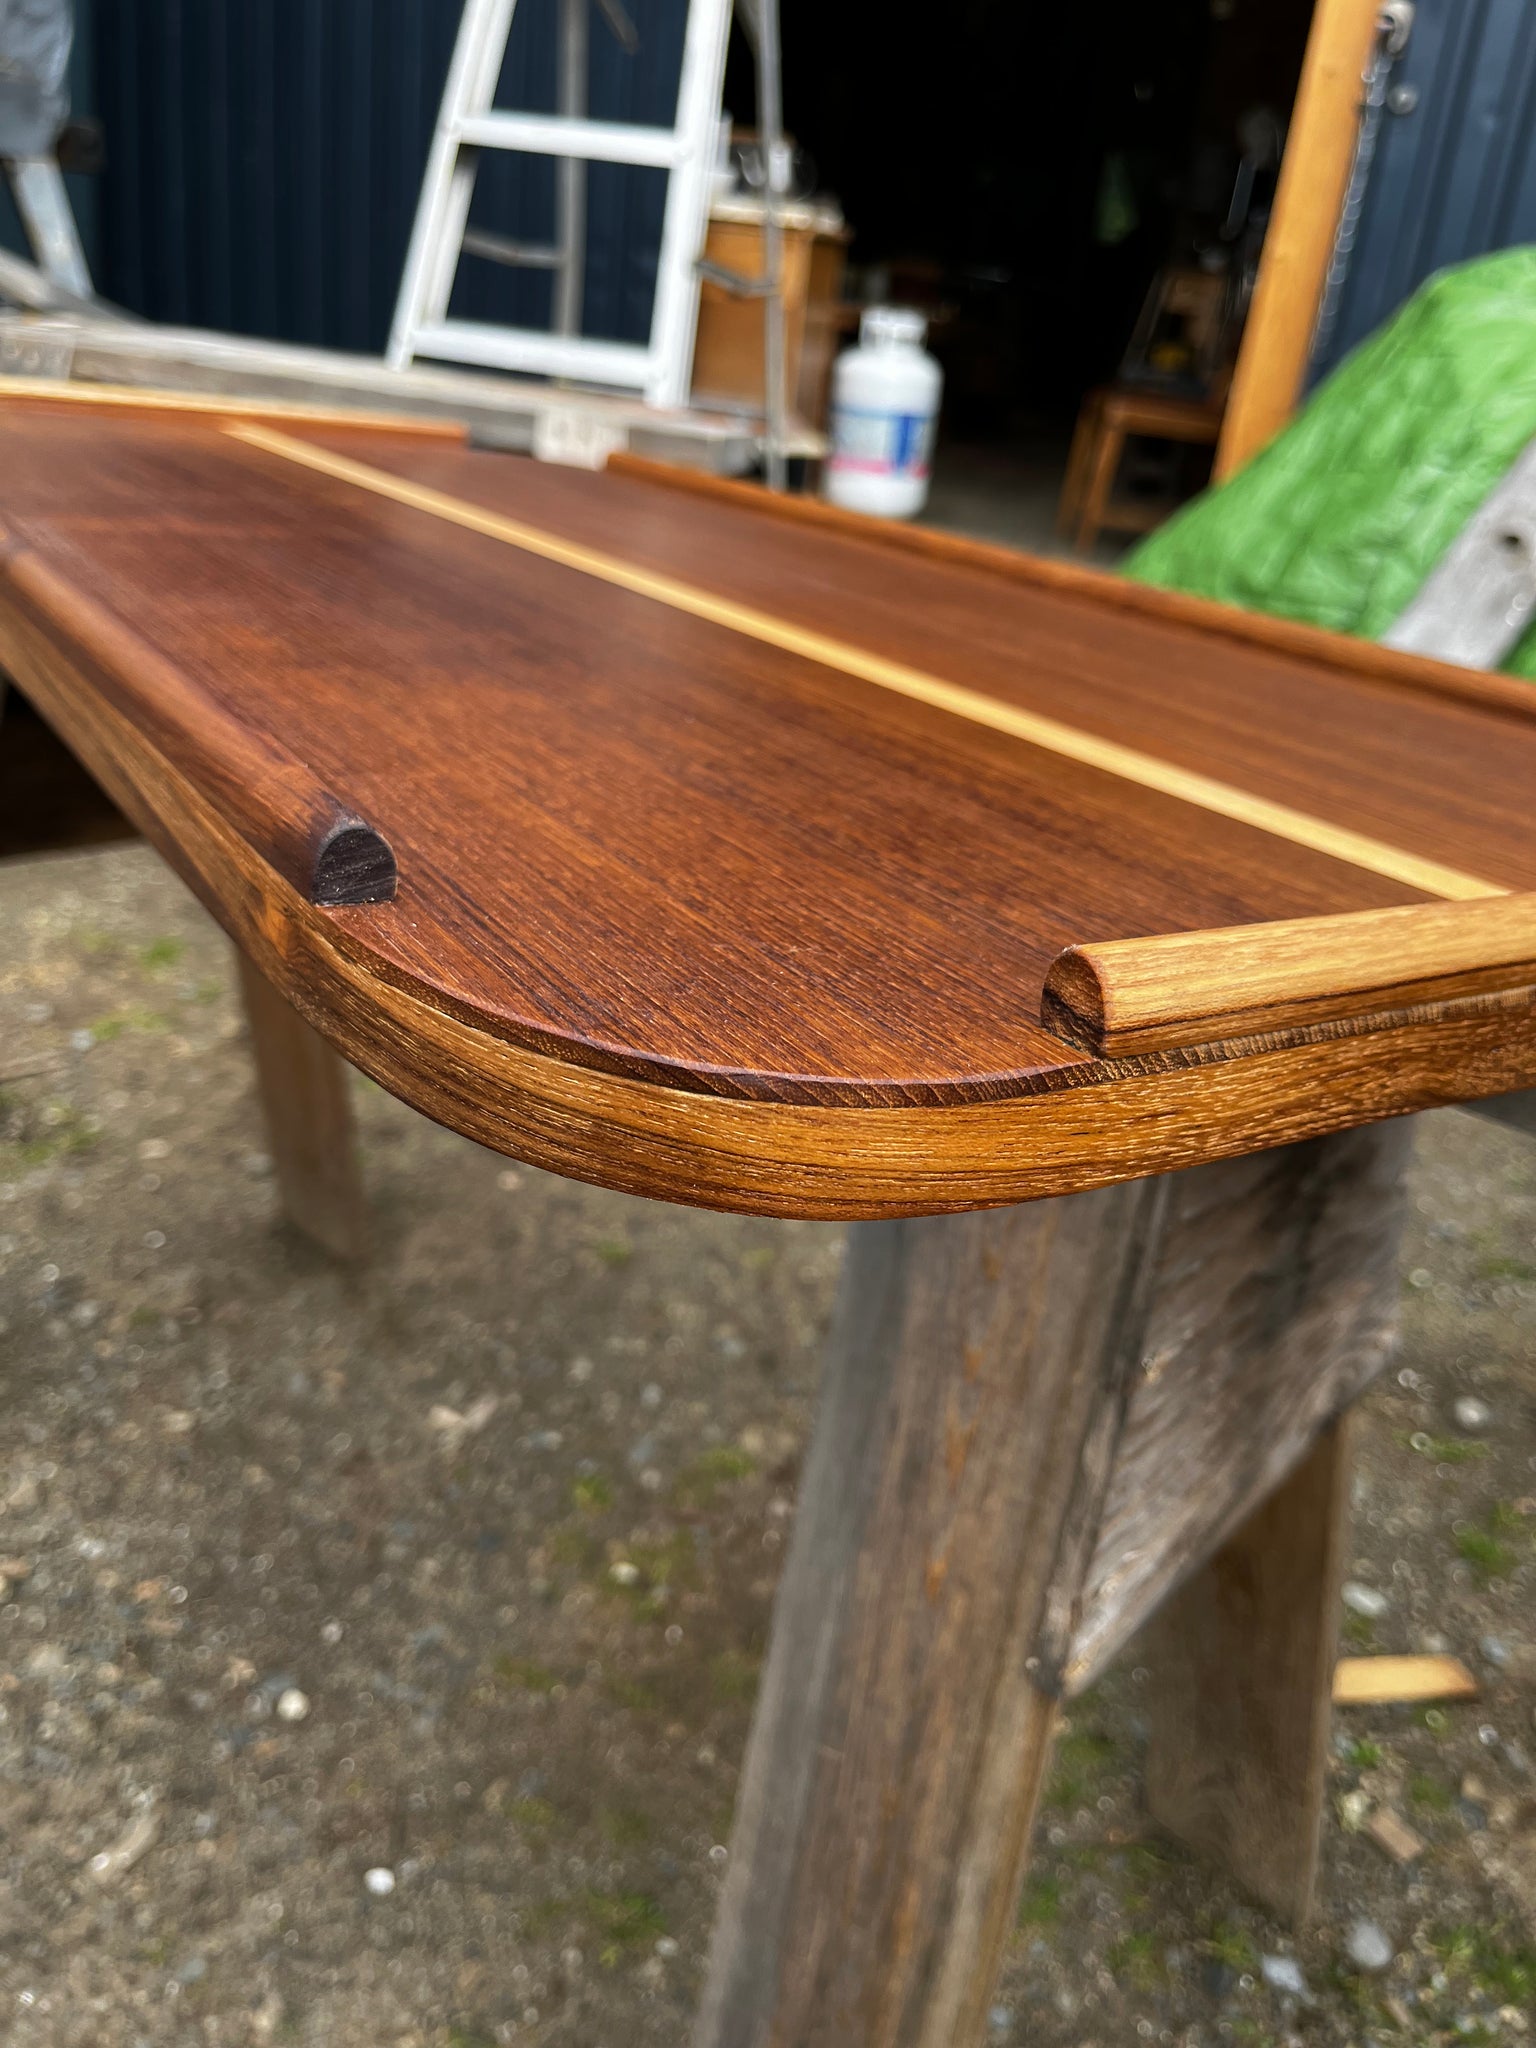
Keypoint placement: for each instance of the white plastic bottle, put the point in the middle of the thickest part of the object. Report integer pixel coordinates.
(885, 405)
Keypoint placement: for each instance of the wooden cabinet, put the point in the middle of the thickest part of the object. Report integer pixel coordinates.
(728, 353)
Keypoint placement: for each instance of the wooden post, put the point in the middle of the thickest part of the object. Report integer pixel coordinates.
(1275, 1307)
(303, 1086)
(1033, 1422)
(906, 1710)
(1242, 1663)
(1314, 175)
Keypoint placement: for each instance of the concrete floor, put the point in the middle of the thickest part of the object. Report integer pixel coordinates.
(1007, 493)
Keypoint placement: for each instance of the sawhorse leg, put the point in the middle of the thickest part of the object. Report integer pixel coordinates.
(302, 1082)
(1241, 1661)
(1033, 1424)
(901, 1735)
(306, 1101)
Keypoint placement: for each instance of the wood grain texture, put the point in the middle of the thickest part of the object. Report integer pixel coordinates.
(717, 919)
(1051, 735)
(1377, 1681)
(697, 916)
(1124, 1119)
(1241, 1663)
(307, 1106)
(1275, 1305)
(292, 820)
(1147, 995)
(1298, 243)
(900, 1738)
(1104, 590)
(1342, 734)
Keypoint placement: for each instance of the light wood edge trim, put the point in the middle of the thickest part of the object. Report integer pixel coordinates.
(774, 1159)
(44, 392)
(1137, 996)
(1345, 652)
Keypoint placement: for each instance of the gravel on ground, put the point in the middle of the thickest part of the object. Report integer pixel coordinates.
(377, 1648)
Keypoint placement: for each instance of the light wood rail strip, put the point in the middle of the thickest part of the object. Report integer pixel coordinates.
(43, 392)
(1132, 996)
(1435, 878)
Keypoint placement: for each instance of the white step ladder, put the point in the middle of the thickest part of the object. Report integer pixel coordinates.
(469, 122)
(42, 205)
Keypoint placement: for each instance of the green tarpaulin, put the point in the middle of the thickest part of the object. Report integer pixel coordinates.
(1341, 518)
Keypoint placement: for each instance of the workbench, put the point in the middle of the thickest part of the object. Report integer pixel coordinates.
(1084, 946)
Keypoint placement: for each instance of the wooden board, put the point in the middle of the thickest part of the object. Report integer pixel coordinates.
(1377, 1681)
(1147, 995)
(1275, 1306)
(735, 843)
(1298, 245)
(1000, 1485)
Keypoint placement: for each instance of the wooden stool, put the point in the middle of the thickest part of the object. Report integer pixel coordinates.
(1109, 417)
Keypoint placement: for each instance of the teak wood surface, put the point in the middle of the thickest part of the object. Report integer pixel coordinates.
(721, 850)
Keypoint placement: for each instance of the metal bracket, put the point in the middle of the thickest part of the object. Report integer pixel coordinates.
(736, 282)
(1394, 25)
(503, 249)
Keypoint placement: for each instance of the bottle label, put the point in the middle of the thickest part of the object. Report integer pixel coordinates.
(893, 444)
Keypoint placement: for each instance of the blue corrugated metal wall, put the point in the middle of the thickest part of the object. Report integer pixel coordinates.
(1454, 177)
(265, 157)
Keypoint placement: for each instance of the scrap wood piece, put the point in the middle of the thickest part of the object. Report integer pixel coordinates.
(1376, 1681)
(1389, 1831)
(29, 1067)
(140, 1836)
(1477, 600)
